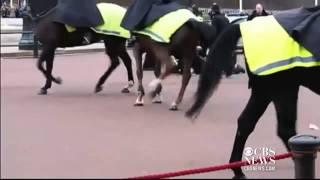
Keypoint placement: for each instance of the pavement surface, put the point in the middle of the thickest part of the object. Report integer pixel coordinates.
(74, 133)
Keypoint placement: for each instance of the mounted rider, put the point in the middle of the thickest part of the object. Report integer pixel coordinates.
(142, 13)
(78, 15)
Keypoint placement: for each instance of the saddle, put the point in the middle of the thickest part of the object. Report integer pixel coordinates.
(162, 29)
(78, 13)
(303, 28)
(142, 13)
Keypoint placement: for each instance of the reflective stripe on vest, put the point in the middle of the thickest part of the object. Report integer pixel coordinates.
(162, 29)
(270, 49)
(112, 15)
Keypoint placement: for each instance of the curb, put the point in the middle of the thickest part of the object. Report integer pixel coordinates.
(60, 51)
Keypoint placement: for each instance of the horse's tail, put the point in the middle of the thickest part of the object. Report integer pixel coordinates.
(218, 61)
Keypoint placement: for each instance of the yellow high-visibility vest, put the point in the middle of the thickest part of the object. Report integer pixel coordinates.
(270, 49)
(112, 15)
(162, 29)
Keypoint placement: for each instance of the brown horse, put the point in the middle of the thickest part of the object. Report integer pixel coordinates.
(53, 35)
(183, 45)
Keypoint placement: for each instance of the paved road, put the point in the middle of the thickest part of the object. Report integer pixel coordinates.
(73, 133)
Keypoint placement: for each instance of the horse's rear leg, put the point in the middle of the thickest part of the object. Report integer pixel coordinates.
(247, 121)
(113, 55)
(128, 64)
(285, 101)
(311, 78)
(47, 56)
(186, 75)
(137, 52)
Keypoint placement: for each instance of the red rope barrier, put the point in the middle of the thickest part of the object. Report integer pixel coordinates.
(208, 169)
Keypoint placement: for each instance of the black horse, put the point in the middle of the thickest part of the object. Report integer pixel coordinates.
(53, 35)
(280, 88)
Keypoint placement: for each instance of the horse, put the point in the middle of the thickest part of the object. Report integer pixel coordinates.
(281, 88)
(183, 45)
(53, 35)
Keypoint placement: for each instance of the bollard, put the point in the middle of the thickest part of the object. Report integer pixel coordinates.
(304, 150)
(35, 47)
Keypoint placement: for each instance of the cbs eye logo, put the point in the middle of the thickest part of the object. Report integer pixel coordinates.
(248, 151)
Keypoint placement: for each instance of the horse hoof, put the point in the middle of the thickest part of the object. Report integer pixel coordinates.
(153, 94)
(98, 89)
(130, 84)
(174, 107)
(139, 102)
(239, 177)
(125, 90)
(59, 80)
(43, 92)
(157, 99)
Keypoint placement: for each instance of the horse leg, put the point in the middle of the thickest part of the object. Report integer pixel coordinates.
(186, 75)
(157, 71)
(113, 55)
(128, 64)
(163, 57)
(41, 59)
(137, 52)
(285, 102)
(48, 56)
(247, 121)
(311, 79)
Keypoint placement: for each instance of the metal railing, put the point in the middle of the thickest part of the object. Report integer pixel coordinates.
(35, 43)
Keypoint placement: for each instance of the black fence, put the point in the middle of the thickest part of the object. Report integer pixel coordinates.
(35, 45)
